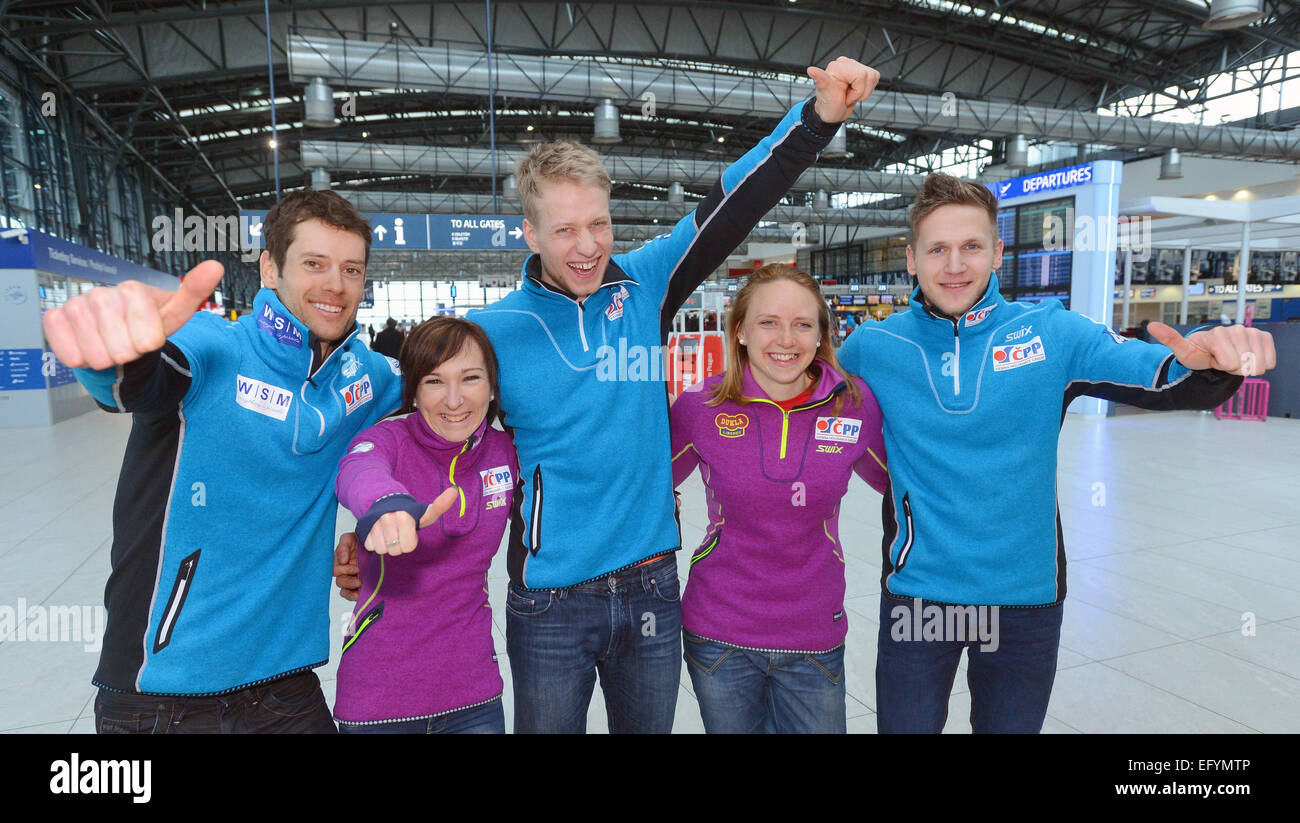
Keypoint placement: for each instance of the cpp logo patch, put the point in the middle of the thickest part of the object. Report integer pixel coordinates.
(262, 398)
(838, 429)
(1018, 354)
(357, 394)
(974, 318)
(731, 425)
(279, 327)
(496, 480)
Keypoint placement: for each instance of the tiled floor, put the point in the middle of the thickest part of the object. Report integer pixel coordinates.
(1183, 616)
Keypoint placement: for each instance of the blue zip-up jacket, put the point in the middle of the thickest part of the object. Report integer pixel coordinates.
(223, 525)
(973, 409)
(582, 387)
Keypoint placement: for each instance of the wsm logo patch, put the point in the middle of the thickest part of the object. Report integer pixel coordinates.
(358, 394)
(731, 425)
(262, 398)
(279, 327)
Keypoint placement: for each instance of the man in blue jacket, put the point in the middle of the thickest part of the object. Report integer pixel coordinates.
(593, 573)
(973, 390)
(228, 476)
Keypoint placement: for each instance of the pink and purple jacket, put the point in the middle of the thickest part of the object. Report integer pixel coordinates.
(770, 573)
(420, 641)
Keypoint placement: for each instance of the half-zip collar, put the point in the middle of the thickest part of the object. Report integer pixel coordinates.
(829, 386)
(455, 457)
(442, 449)
(284, 341)
(992, 299)
(974, 316)
(533, 282)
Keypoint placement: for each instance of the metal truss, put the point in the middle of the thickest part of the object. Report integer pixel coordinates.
(635, 211)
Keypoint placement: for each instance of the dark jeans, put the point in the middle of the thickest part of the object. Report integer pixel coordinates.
(1010, 680)
(748, 692)
(489, 718)
(627, 628)
(290, 705)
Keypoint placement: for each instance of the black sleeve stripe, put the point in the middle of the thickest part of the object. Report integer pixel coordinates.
(157, 381)
(731, 216)
(1200, 390)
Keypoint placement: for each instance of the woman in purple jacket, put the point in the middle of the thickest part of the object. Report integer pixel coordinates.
(776, 438)
(419, 657)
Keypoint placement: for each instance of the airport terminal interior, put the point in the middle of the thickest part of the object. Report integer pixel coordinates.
(1144, 156)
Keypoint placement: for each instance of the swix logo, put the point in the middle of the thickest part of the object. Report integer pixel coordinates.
(1018, 354)
(615, 310)
(825, 449)
(351, 364)
(358, 394)
(496, 480)
(279, 327)
(731, 425)
(839, 429)
(1019, 333)
(496, 501)
(262, 398)
(974, 318)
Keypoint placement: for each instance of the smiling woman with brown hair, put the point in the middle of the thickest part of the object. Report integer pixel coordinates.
(419, 656)
(776, 438)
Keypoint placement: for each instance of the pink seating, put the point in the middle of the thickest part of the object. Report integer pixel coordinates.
(1249, 403)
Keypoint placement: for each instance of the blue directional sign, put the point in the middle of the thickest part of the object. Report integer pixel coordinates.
(470, 231)
(1043, 182)
(423, 232)
(37, 250)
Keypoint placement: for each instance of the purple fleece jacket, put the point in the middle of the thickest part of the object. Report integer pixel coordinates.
(420, 641)
(770, 572)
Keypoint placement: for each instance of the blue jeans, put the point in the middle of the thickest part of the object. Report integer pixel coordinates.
(626, 628)
(748, 692)
(489, 718)
(1010, 674)
(290, 705)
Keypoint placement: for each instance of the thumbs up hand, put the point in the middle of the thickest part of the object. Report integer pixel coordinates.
(840, 86)
(111, 325)
(1235, 349)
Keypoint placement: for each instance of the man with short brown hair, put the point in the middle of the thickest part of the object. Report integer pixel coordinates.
(974, 389)
(225, 510)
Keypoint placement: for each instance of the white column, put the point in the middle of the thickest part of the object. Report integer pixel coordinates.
(1187, 284)
(1243, 273)
(1128, 286)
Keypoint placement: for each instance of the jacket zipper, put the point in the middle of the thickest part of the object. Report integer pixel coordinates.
(785, 415)
(372, 616)
(181, 588)
(535, 526)
(956, 360)
(713, 544)
(582, 331)
(451, 475)
(907, 544)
